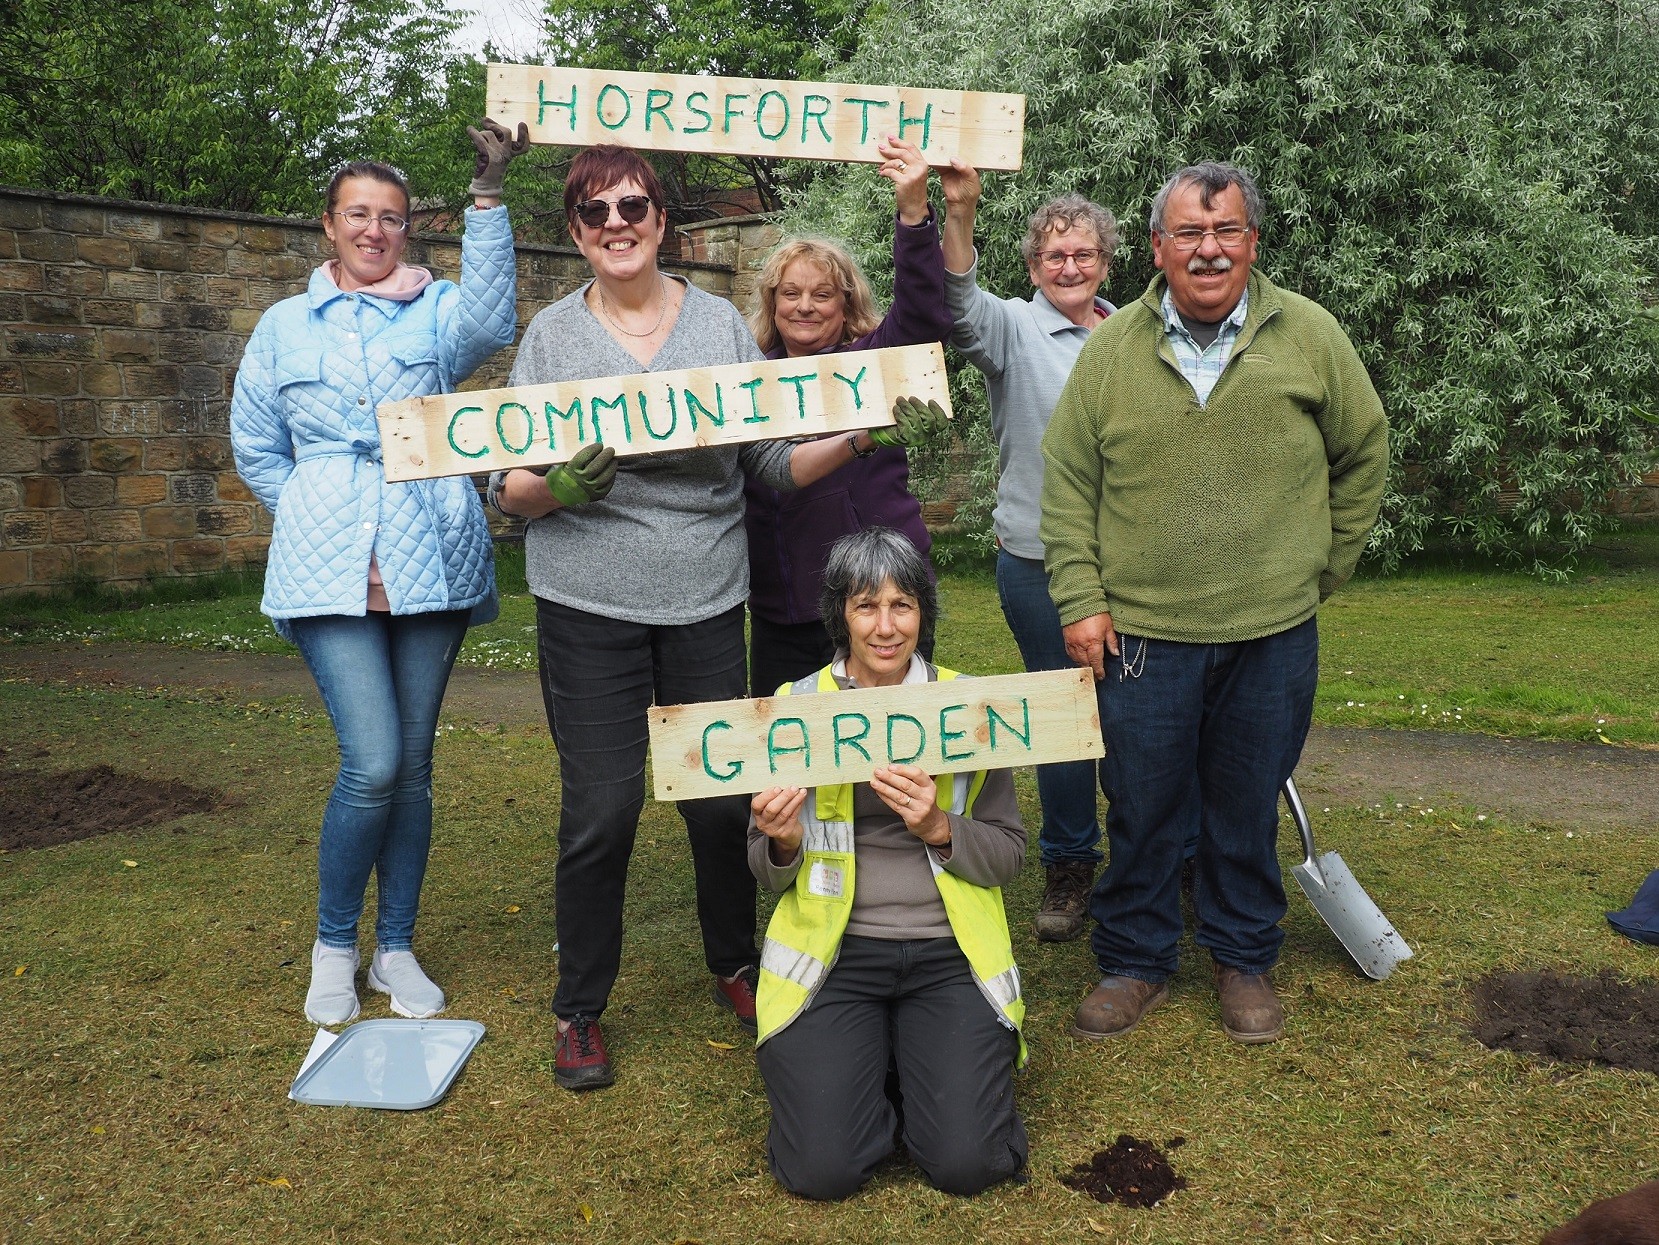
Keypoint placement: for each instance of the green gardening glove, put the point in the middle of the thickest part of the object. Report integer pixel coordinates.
(914, 422)
(586, 477)
(494, 147)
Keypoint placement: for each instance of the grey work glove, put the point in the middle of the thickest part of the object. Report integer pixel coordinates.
(586, 477)
(495, 147)
(914, 422)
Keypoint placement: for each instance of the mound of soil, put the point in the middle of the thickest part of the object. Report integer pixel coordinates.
(1597, 1019)
(44, 809)
(1130, 1171)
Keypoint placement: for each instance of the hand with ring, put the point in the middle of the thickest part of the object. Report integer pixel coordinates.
(911, 793)
(904, 165)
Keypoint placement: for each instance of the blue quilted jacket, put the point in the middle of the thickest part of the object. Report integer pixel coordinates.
(306, 441)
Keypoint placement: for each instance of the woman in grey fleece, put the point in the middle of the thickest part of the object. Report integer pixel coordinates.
(639, 569)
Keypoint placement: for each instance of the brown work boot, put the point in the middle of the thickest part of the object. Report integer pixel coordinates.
(1116, 1006)
(1250, 1011)
(1065, 906)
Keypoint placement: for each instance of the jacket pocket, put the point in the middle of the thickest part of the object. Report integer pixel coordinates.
(421, 366)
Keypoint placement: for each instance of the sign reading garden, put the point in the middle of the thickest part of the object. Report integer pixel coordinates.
(742, 746)
(755, 117)
(449, 434)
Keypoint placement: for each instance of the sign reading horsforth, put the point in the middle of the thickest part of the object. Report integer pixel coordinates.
(755, 117)
(449, 434)
(742, 746)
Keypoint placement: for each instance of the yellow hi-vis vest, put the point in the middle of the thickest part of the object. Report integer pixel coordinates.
(804, 935)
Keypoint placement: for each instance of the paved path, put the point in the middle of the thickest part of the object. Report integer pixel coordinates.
(1587, 785)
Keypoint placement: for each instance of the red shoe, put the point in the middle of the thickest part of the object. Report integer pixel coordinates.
(738, 994)
(581, 1061)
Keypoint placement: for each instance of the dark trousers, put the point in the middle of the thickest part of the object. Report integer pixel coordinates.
(780, 653)
(1199, 739)
(914, 1004)
(599, 677)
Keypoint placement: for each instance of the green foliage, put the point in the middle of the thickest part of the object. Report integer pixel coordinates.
(1470, 188)
(233, 104)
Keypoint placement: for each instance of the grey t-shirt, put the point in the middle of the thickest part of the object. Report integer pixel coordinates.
(666, 547)
(1026, 350)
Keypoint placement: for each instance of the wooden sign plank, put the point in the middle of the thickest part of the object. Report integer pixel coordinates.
(743, 746)
(755, 116)
(448, 434)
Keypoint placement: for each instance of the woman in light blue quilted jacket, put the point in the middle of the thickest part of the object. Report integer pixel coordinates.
(375, 582)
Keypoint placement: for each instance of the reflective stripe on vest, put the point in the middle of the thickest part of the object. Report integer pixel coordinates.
(804, 936)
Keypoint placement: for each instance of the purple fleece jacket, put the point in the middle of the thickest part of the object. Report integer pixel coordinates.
(790, 534)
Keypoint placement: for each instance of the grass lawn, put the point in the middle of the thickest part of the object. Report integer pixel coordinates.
(151, 1012)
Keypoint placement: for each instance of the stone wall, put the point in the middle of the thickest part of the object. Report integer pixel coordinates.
(121, 327)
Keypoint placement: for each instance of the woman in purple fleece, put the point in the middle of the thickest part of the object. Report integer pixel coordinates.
(814, 300)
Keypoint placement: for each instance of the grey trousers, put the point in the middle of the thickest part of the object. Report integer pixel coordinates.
(916, 1004)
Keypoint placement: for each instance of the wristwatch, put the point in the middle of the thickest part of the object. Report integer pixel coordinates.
(852, 444)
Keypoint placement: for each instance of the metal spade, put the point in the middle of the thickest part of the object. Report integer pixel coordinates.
(1330, 886)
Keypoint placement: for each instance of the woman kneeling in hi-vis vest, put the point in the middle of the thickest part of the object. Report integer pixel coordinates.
(911, 968)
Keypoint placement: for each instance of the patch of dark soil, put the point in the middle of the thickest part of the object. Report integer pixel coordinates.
(44, 809)
(1597, 1019)
(1131, 1171)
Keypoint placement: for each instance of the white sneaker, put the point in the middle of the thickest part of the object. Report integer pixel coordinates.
(332, 998)
(398, 974)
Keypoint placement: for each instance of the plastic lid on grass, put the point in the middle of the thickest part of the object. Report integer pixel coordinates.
(396, 1065)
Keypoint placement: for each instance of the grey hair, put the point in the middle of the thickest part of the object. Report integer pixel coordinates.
(1065, 214)
(1211, 177)
(863, 562)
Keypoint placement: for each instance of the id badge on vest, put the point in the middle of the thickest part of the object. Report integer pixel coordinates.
(828, 876)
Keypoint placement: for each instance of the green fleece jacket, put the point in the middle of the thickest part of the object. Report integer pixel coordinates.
(1215, 523)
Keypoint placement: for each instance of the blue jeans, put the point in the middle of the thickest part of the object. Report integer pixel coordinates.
(1071, 830)
(382, 678)
(1199, 739)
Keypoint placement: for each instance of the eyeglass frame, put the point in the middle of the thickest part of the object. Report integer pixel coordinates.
(385, 219)
(581, 210)
(1180, 244)
(1096, 254)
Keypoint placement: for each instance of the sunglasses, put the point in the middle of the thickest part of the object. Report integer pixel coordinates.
(595, 212)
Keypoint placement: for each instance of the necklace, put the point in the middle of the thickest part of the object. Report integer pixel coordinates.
(662, 310)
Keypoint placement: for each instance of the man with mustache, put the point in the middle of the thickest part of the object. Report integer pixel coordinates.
(1211, 474)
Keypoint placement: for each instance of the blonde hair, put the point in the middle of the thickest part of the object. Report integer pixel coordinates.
(861, 314)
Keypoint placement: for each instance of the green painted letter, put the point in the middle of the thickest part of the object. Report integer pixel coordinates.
(800, 391)
(627, 106)
(453, 444)
(501, 431)
(733, 768)
(620, 403)
(717, 417)
(645, 417)
(760, 113)
(694, 105)
(731, 112)
(774, 750)
(549, 410)
(853, 384)
(661, 110)
(809, 113)
(864, 114)
(925, 121)
(992, 717)
(543, 103)
(946, 735)
(921, 738)
(850, 741)
(754, 402)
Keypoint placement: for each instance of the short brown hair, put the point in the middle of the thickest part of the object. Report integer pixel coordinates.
(1064, 214)
(861, 314)
(600, 168)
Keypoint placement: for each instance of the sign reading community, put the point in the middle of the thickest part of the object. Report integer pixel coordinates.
(755, 116)
(743, 746)
(530, 425)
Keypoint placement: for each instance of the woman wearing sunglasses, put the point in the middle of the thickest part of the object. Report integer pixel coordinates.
(639, 572)
(1026, 350)
(375, 582)
(814, 299)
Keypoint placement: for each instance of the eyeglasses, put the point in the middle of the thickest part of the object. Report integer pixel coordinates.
(357, 218)
(1056, 260)
(595, 212)
(1190, 239)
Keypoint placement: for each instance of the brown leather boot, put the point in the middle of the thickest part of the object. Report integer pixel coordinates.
(1116, 1006)
(1250, 1011)
(1065, 907)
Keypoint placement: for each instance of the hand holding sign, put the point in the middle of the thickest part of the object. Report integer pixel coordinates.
(777, 814)
(913, 795)
(586, 477)
(914, 423)
(904, 165)
(494, 147)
